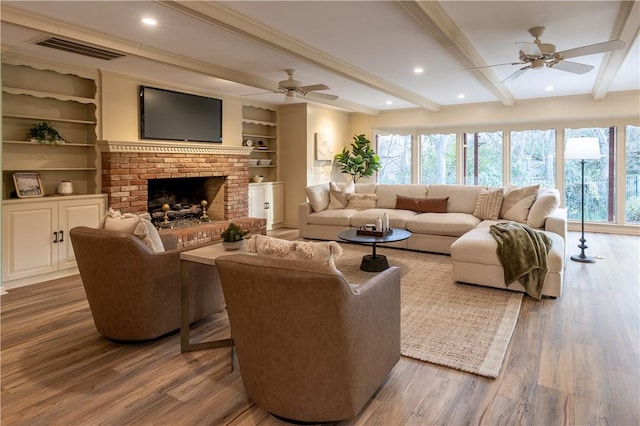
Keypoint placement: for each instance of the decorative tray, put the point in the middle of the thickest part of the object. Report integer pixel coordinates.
(373, 233)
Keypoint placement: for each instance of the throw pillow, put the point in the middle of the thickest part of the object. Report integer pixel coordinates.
(547, 201)
(433, 205)
(407, 203)
(318, 196)
(321, 252)
(488, 204)
(362, 201)
(338, 195)
(517, 201)
(138, 225)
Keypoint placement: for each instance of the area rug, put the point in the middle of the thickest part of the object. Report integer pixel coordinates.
(461, 326)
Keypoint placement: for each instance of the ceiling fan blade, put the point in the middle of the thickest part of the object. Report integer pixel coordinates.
(573, 67)
(323, 96)
(314, 87)
(516, 74)
(261, 93)
(495, 65)
(592, 49)
(529, 48)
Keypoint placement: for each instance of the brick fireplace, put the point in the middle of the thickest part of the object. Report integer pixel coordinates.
(127, 168)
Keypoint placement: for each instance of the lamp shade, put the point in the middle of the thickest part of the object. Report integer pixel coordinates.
(582, 149)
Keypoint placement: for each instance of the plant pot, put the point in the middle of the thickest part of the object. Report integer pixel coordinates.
(232, 245)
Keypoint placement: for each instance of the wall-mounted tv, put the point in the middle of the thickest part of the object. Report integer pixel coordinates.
(169, 115)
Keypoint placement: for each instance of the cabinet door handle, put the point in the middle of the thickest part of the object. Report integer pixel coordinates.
(266, 205)
(61, 237)
(55, 237)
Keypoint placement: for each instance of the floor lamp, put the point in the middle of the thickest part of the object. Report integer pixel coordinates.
(582, 149)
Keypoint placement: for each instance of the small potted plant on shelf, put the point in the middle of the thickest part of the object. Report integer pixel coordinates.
(233, 237)
(44, 132)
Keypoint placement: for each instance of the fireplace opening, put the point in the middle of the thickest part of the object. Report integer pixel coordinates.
(184, 198)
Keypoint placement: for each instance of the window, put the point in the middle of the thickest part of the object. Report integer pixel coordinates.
(395, 158)
(438, 158)
(483, 158)
(533, 159)
(632, 175)
(599, 178)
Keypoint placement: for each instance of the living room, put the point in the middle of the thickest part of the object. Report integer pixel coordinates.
(571, 360)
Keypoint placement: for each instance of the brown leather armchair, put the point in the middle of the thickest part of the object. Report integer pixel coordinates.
(133, 293)
(310, 346)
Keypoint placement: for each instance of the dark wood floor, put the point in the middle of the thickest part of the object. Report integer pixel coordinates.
(574, 360)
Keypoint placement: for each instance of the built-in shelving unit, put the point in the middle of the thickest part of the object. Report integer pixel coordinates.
(64, 98)
(259, 129)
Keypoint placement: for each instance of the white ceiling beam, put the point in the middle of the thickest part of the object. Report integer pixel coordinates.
(433, 19)
(222, 16)
(626, 28)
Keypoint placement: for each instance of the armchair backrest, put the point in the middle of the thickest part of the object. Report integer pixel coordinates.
(311, 347)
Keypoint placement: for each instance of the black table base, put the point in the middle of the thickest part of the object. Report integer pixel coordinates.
(374, 264)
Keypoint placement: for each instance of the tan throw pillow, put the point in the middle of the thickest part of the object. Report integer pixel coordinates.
(149, 235)
(433, 205)
(547, 201)
(407, 203)
(517, 201)
(362, 201)
(318, 196)
(488, 204)
(321, 252)
(338, 196)
(138, 225)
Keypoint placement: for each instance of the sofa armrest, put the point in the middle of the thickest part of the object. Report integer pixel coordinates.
(557, 223)
(169, 241)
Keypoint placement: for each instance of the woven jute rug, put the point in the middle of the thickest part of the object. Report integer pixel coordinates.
(461, 326)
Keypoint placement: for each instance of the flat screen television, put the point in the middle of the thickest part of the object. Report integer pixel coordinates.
(169, 115)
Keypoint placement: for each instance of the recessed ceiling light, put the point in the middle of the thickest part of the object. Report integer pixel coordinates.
(461, 96)
(149, 21)
(418, 70)
(548, 88)
(389, 102)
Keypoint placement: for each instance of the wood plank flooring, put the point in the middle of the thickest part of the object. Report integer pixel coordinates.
(573, 360)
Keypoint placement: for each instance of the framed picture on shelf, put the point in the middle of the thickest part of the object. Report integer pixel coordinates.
(28, 185)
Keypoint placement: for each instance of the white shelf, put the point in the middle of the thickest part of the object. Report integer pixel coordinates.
(246, 135)
(41, 94)
(262, 123)
(86, 145)
(262, 167)
(41, 118)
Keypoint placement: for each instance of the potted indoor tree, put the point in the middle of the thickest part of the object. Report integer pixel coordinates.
(361, 161)
(44, 132)
(233, 237)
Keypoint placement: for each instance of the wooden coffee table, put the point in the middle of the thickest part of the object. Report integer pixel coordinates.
(374, 262)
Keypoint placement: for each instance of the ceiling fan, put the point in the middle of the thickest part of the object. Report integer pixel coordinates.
(292, 87)
(537, 55)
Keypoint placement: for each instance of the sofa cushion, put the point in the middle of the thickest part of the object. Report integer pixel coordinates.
(366, 188)
(387, 193)
(320, 252)
(488, 204)
(462, 198)
(449, 224)
(397, 218)
(336, 217)
(318, 196)
(517, 201)
(361, 201)
(338, 194)
(546, 202)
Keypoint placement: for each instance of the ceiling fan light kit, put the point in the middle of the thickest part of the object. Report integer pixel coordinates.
(537, 55)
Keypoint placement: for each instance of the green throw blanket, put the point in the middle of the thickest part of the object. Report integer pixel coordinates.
(523, 254)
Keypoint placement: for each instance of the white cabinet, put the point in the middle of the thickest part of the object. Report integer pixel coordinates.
(35, 236)
(266, 201)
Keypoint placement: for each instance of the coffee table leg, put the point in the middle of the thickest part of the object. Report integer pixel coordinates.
(373, 262)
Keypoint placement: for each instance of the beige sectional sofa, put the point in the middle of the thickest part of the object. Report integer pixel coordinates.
(331, 208)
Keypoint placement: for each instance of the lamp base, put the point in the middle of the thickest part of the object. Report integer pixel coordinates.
(583, 258)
